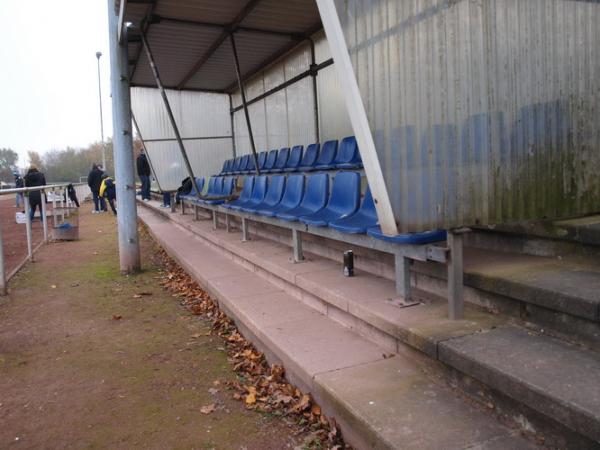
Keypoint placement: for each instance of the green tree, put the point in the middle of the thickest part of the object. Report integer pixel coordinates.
(8, 161)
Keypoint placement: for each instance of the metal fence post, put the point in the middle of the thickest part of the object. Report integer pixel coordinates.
(2, 273)
(44, 217)
(28, 226)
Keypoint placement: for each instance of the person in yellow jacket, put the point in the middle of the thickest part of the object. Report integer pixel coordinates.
(109, 191)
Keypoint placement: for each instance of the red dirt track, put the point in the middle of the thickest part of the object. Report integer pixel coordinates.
(14, 235)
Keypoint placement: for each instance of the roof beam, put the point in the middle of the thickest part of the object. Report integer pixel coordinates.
(217, 43)
(225, 26)
(275, 56)
(144, 29)
(153, 86)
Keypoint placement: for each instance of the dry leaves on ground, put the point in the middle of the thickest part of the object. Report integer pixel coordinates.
(262, 387)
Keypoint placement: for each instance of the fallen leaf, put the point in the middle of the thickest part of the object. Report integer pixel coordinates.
(196, 336)
(117, 317)
(251, 397)
(208, 408)
(137, 296)
(53, 286)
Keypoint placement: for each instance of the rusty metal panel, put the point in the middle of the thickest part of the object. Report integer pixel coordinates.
(482, 111)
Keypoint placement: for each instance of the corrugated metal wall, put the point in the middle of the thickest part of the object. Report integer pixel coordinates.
(483, 111)
(204, 124)
(287, 117)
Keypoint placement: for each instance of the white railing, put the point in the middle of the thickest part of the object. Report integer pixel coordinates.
(58, 196)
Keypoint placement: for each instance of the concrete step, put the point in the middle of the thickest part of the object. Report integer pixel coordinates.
(562, 294)
(397, 404)
(362, 304)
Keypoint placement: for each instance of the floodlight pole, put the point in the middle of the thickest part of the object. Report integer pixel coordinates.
(98, 55)
(244, 103)
(129, 247)
(167, 105)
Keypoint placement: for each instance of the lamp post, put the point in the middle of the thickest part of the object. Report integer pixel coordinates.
(98, 55)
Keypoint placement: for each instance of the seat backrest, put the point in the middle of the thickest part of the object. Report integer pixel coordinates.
(211, 186)
(236, 164)
(224, 168)
(310, 155)
(275, 191)
(328, 153)
(294, 191)
(262, 158)
(259, 190)
(228, 184)
(217, 187)
(247, 189)
(228, 165)
(295, 157)
(348, 151)
(368, 205)
(316, 192)
(199, 183)
(345, 193)
(282, 158)
(271, 158)
(244, 164)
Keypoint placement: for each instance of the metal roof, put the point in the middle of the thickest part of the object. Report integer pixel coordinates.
(190, 38)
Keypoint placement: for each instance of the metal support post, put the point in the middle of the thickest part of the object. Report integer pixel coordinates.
(2, 272)
(232, 117)
(313, 75)
(358, 115)
(298, 254)
(227, 222)
(245, 234)
(455, 276)
(44, 217)
(244, 103)
(402, 264)
(172, 203)
(215, 220)
(28, 226)
(129, 248)
(196, 212)
(182, 207)
(53, 206)
(167, 105)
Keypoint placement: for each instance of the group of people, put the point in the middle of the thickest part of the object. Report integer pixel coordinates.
(103, 190)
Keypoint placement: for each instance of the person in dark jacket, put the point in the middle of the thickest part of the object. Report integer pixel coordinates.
(143, 170)
(94, 182)
(35, 178)
(184, 189)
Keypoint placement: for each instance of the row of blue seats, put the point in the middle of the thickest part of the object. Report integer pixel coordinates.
(309, 200)
(316, 157)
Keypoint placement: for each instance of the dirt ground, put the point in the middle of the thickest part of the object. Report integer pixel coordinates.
(85, 364)
(14, 234)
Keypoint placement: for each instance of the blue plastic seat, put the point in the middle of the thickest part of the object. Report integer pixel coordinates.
(250, 166)
(244, 161)
(425, 237)
(270, 161)
(361, 220)
(262, 158)
(327, 156)
(294, 159)
(315, 198)
(244, 197)
(292, 196)
(258, 193)
(235, 167)
(227, 186)
(348, 156)
(343, 202)
(282, 158)
(199, 184)
(272, 197)
(196, 187)
(229, 167)
(309, 160)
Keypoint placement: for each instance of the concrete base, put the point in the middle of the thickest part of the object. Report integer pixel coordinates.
(397, 404)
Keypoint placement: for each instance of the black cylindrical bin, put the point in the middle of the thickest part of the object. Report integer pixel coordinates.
(349, 263)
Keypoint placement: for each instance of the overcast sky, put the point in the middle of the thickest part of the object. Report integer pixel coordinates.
(48, 74)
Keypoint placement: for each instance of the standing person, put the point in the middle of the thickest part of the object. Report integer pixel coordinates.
(19, 183)
(94, 182)
(35, 178)
(109, 191)
(143, 170)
